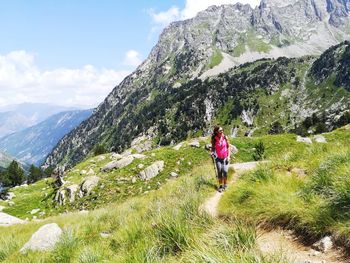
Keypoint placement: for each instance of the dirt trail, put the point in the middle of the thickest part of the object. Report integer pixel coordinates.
(278, 240)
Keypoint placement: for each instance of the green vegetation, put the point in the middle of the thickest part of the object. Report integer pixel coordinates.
(12, 176)
(215, 59)
(162, 226)
(305, 189)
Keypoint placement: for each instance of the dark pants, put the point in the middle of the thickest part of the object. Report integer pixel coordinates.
(222, 167)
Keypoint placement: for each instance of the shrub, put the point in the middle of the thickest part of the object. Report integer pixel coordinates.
(259, 151)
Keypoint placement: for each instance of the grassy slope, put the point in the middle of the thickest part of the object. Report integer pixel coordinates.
(162, 224)
(315, 204)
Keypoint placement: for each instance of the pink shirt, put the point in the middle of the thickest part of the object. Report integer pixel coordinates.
(221, 147)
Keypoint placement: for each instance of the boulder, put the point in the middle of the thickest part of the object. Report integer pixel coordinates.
(304, 140)
(142, 147)
(115, 156)
(44, 239)
(173, 174)
(194, 144)
(323, 245)
(60, 196)
(207, 146)
(9, 196)
(233, 149)
(8, 220)
(139, 156)
(100, 158)
(125, 161)
(320, 139)
(88, 184)
(71, 191)
(178, 146)
(152, 170)
(34, 211)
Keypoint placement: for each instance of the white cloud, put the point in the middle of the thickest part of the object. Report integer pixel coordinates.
(132, 58)
(192, 7)
(164, 18)
(22, 81)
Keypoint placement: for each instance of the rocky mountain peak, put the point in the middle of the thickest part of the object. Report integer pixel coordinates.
(215, 41)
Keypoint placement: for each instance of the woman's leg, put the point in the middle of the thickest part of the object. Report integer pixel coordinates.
(219, 166)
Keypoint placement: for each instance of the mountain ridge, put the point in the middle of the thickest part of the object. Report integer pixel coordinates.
(185, 51)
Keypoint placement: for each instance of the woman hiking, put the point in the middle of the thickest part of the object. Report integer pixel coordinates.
(220, 151)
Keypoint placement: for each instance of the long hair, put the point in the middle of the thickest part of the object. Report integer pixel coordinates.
(215, 132)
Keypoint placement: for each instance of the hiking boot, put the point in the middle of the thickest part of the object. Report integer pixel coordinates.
(220, 189)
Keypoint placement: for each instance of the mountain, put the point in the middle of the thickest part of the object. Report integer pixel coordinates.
(5, 160)
(177, 92)
(33, 144)
(17, 117)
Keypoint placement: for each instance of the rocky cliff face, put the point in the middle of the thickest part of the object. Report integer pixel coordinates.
(188, 52)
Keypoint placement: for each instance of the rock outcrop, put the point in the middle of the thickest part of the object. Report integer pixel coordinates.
(88, 185)
(44, 239)
(151, 171)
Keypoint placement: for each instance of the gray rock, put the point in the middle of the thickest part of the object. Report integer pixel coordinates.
(10, 196)
(60, 197)
(178, 146)
(304, 140)
(71, 191)
(140, 166)
(194, 144)
(234, 149)
(34, 211)
(320, 139)
(88, 185)
(44, 239)
(118, 164)
(105, 235)
(152, 170)
(115, 156)
(323, 245)
(208, 146)
(83, 172)
(100, 158)
(139, 156)
(173, 174)
(8, 220)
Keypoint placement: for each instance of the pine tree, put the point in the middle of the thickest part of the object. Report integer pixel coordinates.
(15, 174)
(35, 174)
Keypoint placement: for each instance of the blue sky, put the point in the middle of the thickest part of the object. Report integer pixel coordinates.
(73, 52)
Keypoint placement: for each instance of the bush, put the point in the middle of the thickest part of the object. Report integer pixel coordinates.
(99, 149)
(259, 151)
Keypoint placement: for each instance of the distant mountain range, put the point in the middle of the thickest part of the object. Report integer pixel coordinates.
(17, 117)
(33, 144)
(5, 160)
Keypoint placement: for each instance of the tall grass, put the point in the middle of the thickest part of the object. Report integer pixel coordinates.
(315, 204)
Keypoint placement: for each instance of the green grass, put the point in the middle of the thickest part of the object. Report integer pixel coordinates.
(215, 59)
(315, 204)
(163, 226)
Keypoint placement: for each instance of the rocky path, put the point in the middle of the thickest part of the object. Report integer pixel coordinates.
(278, 240)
